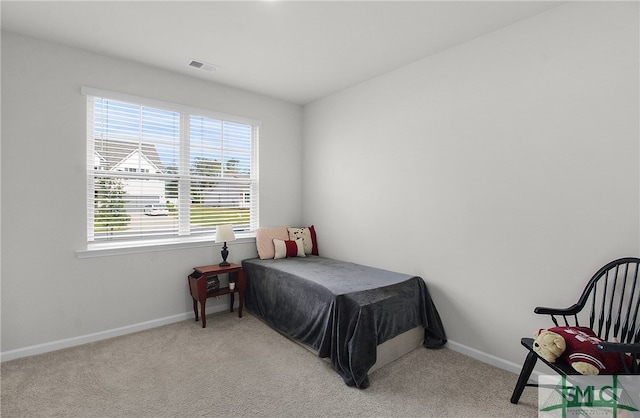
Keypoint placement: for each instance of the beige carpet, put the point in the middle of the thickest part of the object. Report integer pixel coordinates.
(240, 367)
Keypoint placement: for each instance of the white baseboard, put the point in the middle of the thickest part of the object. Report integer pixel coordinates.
(103, 335)
(491, 359)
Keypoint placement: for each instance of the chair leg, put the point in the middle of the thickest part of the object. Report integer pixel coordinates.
(527, 368)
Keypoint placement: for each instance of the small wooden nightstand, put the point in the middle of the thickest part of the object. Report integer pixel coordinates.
(198, 287)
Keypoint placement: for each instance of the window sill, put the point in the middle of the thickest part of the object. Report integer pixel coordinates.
(123, 248)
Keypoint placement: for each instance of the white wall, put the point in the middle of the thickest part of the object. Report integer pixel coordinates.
(48, 294)
(503, 171)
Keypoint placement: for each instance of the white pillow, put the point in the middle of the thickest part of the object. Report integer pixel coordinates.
(305, 234)
(288, 248)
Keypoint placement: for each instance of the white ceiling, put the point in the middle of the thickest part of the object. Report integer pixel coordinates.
(297, 51)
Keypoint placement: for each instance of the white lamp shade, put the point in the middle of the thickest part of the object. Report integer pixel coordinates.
(224, 233)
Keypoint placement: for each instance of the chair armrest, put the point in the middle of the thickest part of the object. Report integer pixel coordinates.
(608, 347)
(571, 310)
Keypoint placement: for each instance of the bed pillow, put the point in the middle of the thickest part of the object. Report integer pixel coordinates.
(308, 235)
(314, 240)
(264, 240)
(288, 248)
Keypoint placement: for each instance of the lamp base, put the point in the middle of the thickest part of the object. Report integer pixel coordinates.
(224, 253)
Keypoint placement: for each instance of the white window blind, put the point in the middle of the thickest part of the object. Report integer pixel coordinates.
(160, 170)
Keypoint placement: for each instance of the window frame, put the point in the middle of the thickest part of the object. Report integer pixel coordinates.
(182, 239)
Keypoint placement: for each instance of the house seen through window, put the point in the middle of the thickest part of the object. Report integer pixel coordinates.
(158, 170)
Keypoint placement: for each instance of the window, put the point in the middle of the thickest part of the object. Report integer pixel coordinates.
(159, 170)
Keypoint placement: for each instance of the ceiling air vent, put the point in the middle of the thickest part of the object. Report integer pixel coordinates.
(202, 66)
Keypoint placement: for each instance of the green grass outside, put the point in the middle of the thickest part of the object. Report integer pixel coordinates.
(217, 216)
(204, 216)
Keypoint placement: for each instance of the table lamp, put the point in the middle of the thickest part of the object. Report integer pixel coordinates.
(224, 233)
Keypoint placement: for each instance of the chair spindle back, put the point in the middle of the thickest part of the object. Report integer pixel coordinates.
(613, 298)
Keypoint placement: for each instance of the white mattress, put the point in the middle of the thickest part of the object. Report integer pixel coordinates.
(392, 349)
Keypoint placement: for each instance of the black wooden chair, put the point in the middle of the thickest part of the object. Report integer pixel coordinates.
(610, 305)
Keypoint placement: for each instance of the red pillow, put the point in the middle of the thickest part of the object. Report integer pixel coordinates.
(308, 235)
(312, 230)
(288, 248)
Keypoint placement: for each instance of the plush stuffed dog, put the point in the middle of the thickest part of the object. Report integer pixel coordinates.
(549, 345)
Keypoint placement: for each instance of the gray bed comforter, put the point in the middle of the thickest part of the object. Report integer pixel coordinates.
(343, 310)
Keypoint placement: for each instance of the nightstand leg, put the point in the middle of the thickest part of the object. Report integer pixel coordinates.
(195, 308)
(202, 313)
(231, 298)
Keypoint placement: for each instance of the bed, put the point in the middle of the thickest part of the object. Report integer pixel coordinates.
(345, 312)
